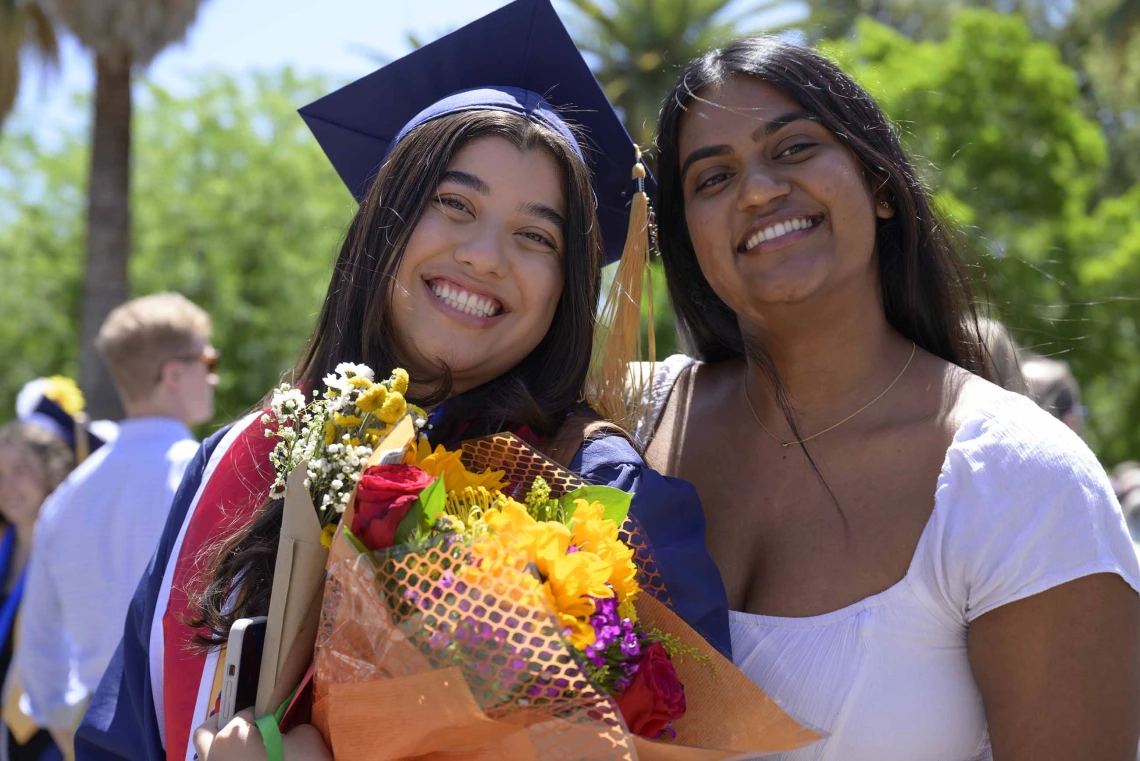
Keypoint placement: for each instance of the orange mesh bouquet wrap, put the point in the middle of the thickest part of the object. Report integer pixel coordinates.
(423, 654)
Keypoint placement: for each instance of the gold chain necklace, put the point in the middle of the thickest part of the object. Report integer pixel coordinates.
(785, 444)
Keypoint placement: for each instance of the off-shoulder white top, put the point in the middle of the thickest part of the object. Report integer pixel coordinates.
(1021, 506)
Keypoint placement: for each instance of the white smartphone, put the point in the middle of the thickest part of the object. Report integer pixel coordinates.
(243, 667)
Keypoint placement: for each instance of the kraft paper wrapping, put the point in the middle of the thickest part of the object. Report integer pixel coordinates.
(420, 655)
(298, 583)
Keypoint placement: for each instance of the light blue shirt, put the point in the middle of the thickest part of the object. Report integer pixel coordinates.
(94, 537)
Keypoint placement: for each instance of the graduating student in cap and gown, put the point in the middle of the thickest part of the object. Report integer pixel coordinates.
(473, 262)
(37, 452)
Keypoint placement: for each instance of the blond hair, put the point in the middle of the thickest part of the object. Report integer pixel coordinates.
(140, 336)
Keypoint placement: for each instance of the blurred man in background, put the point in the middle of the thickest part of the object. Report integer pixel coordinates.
(99, 528)
(1053, 387)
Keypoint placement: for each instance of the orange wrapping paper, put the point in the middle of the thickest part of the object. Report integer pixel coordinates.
(420, 655)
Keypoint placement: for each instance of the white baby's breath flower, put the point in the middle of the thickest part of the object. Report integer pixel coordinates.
(337, 484)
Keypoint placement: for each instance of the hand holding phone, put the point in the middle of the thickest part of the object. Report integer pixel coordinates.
(242, 667)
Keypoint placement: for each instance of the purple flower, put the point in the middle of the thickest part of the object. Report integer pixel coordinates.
(630, 645)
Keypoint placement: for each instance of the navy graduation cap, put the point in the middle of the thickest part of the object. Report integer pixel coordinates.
(520, 59)
(77, 435)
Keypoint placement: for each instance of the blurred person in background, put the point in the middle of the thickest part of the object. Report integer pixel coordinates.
(1053, 387)
(1126, 484)
(1005, 357)
(37, 452)
(97, 532)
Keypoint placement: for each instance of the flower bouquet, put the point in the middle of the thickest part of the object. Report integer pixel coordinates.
(487, 603)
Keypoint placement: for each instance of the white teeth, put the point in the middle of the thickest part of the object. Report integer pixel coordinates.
(464, 301)
(777, 230)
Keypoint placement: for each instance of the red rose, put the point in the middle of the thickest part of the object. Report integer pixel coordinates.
(655, 697)
(384, 495)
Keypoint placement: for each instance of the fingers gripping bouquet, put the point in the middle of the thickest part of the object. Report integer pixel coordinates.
(486, 603)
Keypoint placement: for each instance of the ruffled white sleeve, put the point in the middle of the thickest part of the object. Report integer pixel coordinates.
(654, 393)
(1022, 506)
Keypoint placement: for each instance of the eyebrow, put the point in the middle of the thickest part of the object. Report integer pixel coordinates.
(543, 211)
(467, 180)
(767, 129)
(772, 126)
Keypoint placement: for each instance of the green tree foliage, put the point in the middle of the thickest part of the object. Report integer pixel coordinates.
(999, 125)
(234, 205)
(641, 45)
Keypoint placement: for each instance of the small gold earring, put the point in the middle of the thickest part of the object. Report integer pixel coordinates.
(885, 204)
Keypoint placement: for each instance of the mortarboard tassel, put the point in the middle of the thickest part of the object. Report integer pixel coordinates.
(615, 391)
(82, 443)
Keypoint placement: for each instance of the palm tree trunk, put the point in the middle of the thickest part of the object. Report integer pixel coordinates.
(106, 284)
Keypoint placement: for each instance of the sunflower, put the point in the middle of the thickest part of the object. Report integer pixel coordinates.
(592, 532)
(448, 465)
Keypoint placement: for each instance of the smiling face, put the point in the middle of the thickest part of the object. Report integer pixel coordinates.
(778, 209)
(22, 484)
(481, 276)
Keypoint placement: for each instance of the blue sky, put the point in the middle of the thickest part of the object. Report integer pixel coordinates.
(331, 36)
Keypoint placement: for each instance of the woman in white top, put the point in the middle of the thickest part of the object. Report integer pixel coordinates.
(925, 567)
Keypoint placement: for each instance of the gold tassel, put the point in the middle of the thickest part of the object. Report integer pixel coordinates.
(614, 391)
(82, 443)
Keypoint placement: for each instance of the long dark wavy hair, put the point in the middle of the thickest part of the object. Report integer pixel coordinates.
(926, 293)
(355, 325)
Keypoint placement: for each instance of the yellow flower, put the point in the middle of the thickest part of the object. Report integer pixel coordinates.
(628, 610)
(359, 381)
(400, 380)
(592, 532)
(571, 581)
(393, 409)
(64, 392)
(373, 435)
(347, 421)
(472, 502)
(354, 441)
(327, 534)
(450, 466)
(330, 432)
(372, 399)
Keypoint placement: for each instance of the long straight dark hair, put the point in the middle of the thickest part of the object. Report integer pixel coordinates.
(926, 294)
(355, 325)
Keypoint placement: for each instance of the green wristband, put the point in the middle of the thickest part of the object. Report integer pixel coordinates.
(271, 736)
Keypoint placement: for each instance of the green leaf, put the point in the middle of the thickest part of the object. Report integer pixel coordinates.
(411, 521)
(615, 501)
(434, 500)
(356, 543)
(424, 511)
